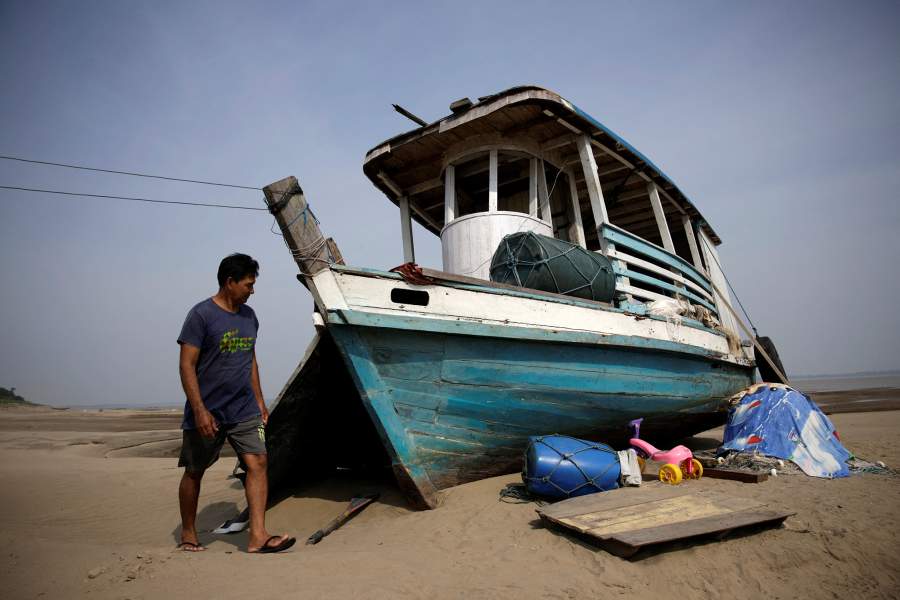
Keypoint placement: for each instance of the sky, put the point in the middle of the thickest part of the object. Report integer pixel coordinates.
(781, 122)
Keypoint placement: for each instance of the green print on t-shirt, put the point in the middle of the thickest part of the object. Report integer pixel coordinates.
(232, 344)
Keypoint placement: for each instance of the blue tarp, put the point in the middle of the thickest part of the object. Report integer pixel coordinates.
(776, 420)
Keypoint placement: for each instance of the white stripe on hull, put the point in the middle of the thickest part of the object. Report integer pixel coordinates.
(341, 290)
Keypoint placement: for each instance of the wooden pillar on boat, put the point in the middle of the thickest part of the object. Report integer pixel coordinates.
(409, 252)
(692, 242)
(449, 194)
(544, 194)
(661, 223)
(492, 180)
(576, 227)
(533, 187)
(592, 179)
(308, 246)
(717, 277)
(598, 210)
(660, 215)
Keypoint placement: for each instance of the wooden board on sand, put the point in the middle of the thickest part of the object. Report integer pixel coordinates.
(628, 519)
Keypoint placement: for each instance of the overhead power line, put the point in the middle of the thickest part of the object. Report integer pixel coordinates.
(55, 164)
(208, 205)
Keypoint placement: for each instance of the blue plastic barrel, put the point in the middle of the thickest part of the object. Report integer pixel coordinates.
(559, 466)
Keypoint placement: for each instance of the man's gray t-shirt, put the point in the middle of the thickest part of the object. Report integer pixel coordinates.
(226, 341)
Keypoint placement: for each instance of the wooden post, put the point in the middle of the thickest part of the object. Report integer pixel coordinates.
(660, 215)
(595, 192)
(449, 194)
(492, 180)
(577, 227)
(661, 222)
(533, 187)
(692, 242)
(544, 195)
(717, 279)
(308, 246)
(409, 252)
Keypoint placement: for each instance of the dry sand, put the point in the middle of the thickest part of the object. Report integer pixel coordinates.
(88, 508)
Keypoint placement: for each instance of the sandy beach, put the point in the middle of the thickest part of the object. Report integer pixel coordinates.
(89, 508)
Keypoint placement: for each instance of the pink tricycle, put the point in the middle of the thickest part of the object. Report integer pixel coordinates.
(678, 463)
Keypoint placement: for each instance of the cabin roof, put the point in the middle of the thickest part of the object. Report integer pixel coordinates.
(412, 163)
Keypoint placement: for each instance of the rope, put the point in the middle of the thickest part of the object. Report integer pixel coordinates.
(517, 493)
(310, 252)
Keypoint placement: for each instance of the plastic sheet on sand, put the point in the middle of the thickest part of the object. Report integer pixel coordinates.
(776, 420)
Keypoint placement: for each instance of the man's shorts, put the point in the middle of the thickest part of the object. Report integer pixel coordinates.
(198, 453)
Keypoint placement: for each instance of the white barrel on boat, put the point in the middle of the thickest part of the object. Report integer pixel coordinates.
(469, 242)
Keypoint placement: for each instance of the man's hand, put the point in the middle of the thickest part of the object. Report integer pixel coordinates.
(206, 423)
(265, 415)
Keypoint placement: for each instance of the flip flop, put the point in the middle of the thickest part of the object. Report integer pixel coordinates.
(190, 547)
(235, 524)
(267, 549)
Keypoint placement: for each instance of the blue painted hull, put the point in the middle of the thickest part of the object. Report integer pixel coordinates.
(453, 408)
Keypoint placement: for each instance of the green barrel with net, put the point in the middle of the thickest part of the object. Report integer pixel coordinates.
(544, 263)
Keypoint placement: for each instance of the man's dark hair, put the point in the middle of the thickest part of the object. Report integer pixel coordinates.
(237, 266)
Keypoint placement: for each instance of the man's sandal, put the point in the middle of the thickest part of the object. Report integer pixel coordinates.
(190, 547)
(267, 549)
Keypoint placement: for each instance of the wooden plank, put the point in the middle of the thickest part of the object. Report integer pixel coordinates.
(708, 525)
(692, 242)
(625, 520)
(659, 513)
(595, 192)
(653, 268)
(651, 250)
(335, 252)
(453, 278)
(544, 195)
(533, 187)
(658, 283)
(660, 216)
(639, 292)
(720, 286)
(577, 227)
(735, 475)
(620, 498)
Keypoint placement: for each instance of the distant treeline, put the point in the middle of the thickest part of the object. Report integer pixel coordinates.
(8, 396)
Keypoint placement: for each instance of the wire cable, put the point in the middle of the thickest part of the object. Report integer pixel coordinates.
(736, 297)
(55, 164)
(182, 202)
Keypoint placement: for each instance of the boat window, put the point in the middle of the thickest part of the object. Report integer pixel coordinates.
(472, 180)
(415, 297)
(512, 181)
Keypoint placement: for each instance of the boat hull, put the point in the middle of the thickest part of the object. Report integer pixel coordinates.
(452, 408)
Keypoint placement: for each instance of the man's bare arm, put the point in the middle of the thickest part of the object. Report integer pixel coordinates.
(187, 367)
(257, 390)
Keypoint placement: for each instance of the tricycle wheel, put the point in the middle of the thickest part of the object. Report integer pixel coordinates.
(696, 472)
(670, 474)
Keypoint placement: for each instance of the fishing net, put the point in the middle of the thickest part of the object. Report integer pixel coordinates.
(530, 260)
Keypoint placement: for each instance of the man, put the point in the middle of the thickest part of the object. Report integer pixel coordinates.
(224, 400)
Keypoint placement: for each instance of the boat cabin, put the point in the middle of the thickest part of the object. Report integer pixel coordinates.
(526, 159)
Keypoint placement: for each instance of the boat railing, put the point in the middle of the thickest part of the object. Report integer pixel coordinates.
(647, 271)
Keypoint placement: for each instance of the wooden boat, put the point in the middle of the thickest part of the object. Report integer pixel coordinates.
(444, 374)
